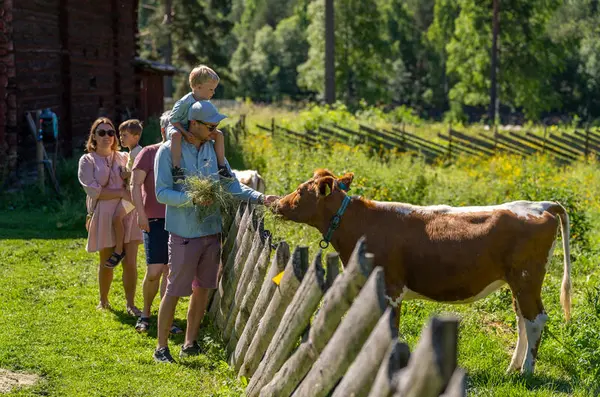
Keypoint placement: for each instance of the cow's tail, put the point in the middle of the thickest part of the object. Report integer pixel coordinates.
(565, 290)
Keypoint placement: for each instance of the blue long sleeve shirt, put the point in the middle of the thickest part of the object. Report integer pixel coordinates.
(181, 217)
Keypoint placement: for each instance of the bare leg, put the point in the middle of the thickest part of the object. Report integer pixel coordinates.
(163, 283)
(130, 275)
(105, 277)
(176, 149)
(220, 148)
(196, 310)
(150, 286)
(166, 313)
(119, 228)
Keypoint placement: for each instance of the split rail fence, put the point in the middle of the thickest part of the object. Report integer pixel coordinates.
(564, 147)
(317, 331)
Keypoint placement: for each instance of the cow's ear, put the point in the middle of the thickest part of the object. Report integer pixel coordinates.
(325, 185)
(345, 180)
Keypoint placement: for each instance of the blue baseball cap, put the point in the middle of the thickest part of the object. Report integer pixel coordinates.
(205, 111)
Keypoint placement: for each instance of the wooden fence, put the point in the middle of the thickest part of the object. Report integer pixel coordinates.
(564, 147)
(317, 331)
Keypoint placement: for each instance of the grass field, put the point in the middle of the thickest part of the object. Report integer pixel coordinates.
(48, 290)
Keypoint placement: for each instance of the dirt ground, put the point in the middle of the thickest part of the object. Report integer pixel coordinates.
(12, 380)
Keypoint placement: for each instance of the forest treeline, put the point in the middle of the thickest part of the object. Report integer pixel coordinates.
(432, 56)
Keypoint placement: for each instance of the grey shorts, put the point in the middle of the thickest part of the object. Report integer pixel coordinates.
(193, 260)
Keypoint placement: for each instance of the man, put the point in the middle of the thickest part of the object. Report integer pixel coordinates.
(151, 219)
(194, 245)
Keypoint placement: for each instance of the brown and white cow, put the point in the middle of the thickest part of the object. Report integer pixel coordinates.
(446, 254)
(251, 178)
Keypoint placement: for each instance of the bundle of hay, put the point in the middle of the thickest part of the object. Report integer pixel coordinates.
(209, 195)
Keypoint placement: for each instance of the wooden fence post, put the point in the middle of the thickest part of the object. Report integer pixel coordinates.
(457, 386)
(239, 290)
(228, 255)
(258, 274)
(336, 302)
(495, 138)
(273, 127)
(292, 277)
(360, 376)
(545, 139)
(450, 141)
(280, 259)
(294, 322)
(395, 359)
(231, 273)
(587, 141)
(342, 349)
(433, 362)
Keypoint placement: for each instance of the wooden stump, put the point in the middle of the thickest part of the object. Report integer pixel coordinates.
(294, 322)
(336, 302)
(360, 376)
(394, 360)
(281, 258)
(257, 245)
(433, 361)
(353, 331)
(252, 290)
(231, 277)
(292, 277)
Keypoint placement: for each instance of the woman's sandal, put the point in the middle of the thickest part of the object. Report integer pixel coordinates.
(114, 260)
(142, 325)
(175, 330)
(134, 311)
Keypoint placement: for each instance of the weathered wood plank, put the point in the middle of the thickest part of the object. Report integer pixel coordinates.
(254, 285)
(433, 362)
(295, 320)
(292, 277)
(239, 291)
(457, 386)
(336, 302)
(232, 274)
(360, 376)
(347, 340)
(395, 359)
(280, 259)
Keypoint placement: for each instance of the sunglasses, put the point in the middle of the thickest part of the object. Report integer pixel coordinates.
(104, 132)
(210, 127)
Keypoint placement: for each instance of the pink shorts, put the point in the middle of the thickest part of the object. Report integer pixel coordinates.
(192, 261)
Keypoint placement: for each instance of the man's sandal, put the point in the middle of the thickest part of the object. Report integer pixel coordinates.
(114, 260)
(142, 325)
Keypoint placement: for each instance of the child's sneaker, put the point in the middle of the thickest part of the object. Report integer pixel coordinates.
(177, 173)
(190, 351)
(224, 172)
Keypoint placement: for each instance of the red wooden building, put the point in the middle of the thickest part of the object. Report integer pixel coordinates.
(76, 57)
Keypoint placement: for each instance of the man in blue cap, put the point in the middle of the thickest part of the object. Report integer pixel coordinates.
(194, 244)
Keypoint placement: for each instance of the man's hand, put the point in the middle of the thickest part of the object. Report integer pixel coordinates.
(270, 199)
(142, 221)
(206, 203)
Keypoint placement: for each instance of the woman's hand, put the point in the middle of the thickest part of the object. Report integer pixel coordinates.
(142, 221)
(126, 195)
(125, 174)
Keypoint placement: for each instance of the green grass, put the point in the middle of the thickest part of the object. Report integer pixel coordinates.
(48, 288)
(48, 294)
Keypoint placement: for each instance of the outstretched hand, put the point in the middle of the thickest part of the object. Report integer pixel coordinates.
(270, 199)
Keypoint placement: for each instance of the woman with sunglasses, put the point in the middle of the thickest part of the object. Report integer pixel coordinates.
(99, 174)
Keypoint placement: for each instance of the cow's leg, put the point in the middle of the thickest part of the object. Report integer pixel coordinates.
(527, 290)
(521, 348)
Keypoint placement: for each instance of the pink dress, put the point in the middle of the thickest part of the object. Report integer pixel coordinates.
(93, 174)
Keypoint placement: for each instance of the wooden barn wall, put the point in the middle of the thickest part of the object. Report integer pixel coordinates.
(74, 56)
(8, 98)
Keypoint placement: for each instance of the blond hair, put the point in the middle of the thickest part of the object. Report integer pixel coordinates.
(134, 126)
(201, 74)
(91, 144)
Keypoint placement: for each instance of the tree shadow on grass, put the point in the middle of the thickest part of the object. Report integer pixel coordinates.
(531, 382)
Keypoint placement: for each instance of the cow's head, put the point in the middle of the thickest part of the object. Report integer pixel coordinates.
(314, 199)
